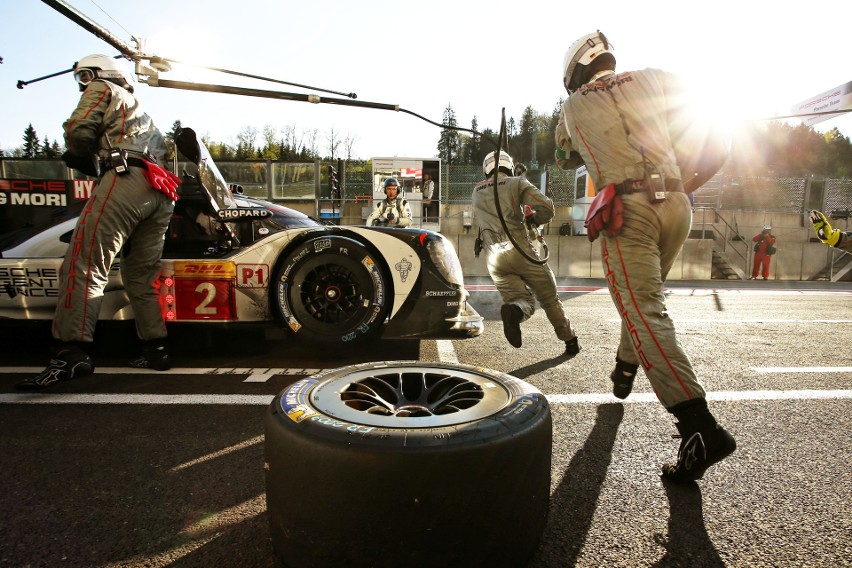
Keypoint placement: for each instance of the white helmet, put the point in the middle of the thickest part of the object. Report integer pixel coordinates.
(767, 227)
(580, 55)
(104, 67)
(505, 162)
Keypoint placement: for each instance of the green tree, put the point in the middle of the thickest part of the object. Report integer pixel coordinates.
(449, 144)
(49, 150)
(246, 138)
(32, 145)
(471, 144)
(838, 154)
(170, 139)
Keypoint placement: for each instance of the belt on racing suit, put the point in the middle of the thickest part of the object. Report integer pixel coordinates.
(132, 161)
(638, 185)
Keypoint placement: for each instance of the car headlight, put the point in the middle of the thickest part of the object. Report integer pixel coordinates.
(444, 256)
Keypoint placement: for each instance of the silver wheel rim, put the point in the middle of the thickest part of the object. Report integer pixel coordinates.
(416, 396)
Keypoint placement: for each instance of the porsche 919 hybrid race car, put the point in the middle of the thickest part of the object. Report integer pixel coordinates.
(233, 258)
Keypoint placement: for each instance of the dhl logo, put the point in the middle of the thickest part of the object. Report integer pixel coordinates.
(203, 268)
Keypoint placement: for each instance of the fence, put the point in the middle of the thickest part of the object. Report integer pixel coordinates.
(309, 182)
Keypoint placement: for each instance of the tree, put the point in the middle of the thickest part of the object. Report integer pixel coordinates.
(246, 139)
(522, 149)
(271, 150)
(838, 153)
(51, 150)
(32, 145)
(348, 145)
(449, 144)
(333, 140)
(170, 139)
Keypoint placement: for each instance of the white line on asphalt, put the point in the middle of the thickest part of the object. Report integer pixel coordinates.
(446, 351)
(263, 373)
(263, 400)
(734, 321)
(802, 369)
(446, 354)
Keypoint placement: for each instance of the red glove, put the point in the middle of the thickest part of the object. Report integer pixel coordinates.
(606, 213)
(162, 180)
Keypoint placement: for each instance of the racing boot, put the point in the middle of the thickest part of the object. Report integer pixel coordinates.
(68, 361)
(703, 442)
(155, 355)
(572, 347)
(512, 316)
(622, 378)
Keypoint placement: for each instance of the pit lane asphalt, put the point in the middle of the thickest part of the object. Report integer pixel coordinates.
(92, 476)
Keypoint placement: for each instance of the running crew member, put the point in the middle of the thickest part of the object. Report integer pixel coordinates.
(519, 281)
(639, 140)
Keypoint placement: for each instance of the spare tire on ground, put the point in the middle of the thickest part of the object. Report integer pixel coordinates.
(408, 464)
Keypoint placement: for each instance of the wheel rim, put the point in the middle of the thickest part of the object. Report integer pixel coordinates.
(332, 295)
(410, 396)
(329, 293)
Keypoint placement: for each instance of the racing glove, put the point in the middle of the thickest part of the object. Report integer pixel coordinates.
(823, 229)
(162, 180)
(529, 217)
(84, 164)
(605, 214)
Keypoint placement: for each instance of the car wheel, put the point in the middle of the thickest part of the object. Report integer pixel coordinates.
(408, 464)
(332, 289)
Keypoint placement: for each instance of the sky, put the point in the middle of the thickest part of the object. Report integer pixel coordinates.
(746, 59)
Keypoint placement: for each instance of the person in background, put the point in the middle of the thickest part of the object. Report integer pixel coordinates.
(393, 210)
(646, 150)
(519, 281)
(108, 136)
(764, 248)
(428, 193)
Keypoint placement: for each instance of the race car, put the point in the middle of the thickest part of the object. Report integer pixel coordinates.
(230, 258)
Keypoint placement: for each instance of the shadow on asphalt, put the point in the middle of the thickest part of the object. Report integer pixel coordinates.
(573, 503)
(688, 543)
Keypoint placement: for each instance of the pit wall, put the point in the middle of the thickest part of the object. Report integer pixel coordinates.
(798, 256)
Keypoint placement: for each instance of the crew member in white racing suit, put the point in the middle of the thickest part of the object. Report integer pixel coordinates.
(519, 281)
(646, 151)
(393, 210)
(128, 212)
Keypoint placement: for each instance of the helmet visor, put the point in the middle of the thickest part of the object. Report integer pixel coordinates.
(84, 76)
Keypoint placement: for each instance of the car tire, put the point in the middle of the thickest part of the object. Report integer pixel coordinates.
(408, 464)
(332, 290)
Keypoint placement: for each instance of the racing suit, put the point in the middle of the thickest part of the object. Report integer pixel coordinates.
(761, 257)
(398, 208)
(518, 280)
(618, 126)
(123, 215)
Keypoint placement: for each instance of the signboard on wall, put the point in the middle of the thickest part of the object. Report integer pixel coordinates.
(28, 202)
(839, 98)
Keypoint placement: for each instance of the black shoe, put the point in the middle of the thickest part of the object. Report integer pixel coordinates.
(69, 362)
(572, 347)
(155, 355)
(702, 444)
(512, 316)
(622, 378)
